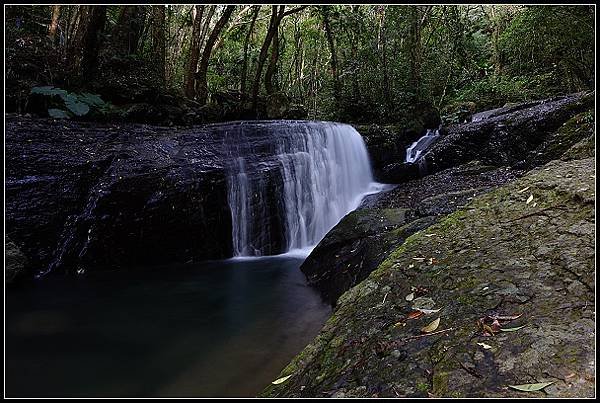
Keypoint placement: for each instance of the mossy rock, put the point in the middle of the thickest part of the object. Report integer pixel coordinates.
(500, 255)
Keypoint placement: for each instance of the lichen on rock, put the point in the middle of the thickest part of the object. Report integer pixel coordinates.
(500, 255)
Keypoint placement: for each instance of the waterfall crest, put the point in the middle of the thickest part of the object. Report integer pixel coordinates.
(323, 173)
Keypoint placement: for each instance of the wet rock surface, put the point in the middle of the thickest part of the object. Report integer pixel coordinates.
(91, 196)
(364, 238)
(501, 137)
(526, 248)
(82, 195)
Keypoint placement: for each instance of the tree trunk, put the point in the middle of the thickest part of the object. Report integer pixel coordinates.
(194, 52)
(203, 68)
(262, 57)
(158, 42)
(337, 88)
(384, 60)
(276, 17)
(415, 52)
(126, 33)
(495, 42)
(54, 22)
(270, 86)
(84, 50)
(244, 73)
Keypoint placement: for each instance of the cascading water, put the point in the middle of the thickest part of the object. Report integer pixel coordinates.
(324, 172)
(413, 153)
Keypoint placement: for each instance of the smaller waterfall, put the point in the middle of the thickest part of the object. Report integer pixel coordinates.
(413, 153)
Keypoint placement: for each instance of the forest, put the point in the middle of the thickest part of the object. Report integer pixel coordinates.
(360, 63)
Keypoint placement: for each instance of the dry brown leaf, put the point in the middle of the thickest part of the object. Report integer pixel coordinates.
(415, 315)
(432, 326)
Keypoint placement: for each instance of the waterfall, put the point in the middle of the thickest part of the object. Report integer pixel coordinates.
(413, 153)
(323, 174)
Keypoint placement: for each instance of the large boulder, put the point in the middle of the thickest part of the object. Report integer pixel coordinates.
(512, 284)
(502, 137)
(92, 196)
(505, 136)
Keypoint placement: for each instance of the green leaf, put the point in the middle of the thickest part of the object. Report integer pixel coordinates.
(45, 90)
(531, 387)
(48, 90)
(78, 108)
(58, 113)
(512, 329)
(91, 99)
(281, 380)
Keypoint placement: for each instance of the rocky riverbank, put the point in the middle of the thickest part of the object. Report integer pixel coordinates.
(509, 273)
(510, 276)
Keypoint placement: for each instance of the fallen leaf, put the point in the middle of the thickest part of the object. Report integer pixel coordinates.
(529, 200)
(432, 326)
(512, 329)
(485, 346)
(281, 380)
(531, 387)
(410, 296)
(524, 190)
(508, 317)
(415, 315)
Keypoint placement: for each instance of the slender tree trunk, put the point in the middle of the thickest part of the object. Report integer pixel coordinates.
(384, 59)
(495, 43)
(270, 86)
(415, 52)
(262, 57)
(194, 52)
(203, 68)
(277, 14)
(337, 88)
(244, 73)
(84, 50)
(54, 22)
(126, 33)
(158, 42)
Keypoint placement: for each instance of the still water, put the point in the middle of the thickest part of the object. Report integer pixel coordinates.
(222, 328)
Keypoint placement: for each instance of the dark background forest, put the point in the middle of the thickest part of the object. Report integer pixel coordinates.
(187, 64)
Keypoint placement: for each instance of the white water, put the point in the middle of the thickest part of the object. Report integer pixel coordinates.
(326, 173)
(413, 153)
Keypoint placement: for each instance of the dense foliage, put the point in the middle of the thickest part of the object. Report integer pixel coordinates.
(352, 63)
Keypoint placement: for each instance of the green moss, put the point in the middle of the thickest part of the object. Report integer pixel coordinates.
(440, 383)
(423, 387)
